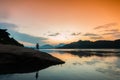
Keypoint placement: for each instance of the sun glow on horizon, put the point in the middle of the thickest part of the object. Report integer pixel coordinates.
(61, 21)
(61, 38)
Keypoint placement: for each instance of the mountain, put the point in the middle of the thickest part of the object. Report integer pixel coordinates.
(47, 46)
(59, 45)
(5, 39)
(89, 44)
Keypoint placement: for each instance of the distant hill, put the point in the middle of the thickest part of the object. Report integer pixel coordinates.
(89, 44)
(59, 45)
(48, 46)
(5, 39)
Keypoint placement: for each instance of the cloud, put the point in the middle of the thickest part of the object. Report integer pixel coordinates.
(54, 34)
(90, 34)
(75, 34)
(106, 26)
(117, 36)
(96, 37)
(22, 36)
(8, 26)
(114, 33)
(27, 38)
(111, 32)
(93, 36)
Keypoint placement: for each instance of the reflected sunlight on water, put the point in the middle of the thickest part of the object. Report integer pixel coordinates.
(80, 65)
(107, 65)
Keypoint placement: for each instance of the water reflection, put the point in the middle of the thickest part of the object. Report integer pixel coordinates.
(12, 69)
(80, 65)
(105, 62)
(37, 75)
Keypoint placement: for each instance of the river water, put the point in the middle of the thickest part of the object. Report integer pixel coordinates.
(80, 64)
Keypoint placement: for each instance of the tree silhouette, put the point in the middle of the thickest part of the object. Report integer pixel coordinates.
(5, 39)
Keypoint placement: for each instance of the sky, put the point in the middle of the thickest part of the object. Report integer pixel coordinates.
(60, 21)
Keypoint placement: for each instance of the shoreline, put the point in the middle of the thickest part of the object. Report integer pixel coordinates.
(21, 58)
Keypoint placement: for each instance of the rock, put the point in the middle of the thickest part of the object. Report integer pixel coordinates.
(19, 56)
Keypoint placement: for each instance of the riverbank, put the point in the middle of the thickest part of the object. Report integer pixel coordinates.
(15, 56)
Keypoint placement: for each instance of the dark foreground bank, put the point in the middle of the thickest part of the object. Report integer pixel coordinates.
(14, 59)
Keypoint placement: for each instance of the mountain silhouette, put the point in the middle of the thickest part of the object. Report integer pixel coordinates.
(89, 44)
(49, 46)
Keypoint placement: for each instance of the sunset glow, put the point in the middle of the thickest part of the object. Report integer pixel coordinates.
(62, 21)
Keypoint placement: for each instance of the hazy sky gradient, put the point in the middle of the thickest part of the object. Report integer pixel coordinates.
(63, 21)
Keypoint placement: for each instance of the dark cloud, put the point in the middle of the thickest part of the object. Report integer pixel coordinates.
(96, 37)
(106, 26)
(90, 34)
(114, 33)
(54, 34)
(93, 36)
(111, 32)
(75, 34)
(21, 36)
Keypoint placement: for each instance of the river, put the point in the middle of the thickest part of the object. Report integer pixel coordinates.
(80, 64)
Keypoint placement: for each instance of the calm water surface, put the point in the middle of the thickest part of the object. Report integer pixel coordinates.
(81, 64)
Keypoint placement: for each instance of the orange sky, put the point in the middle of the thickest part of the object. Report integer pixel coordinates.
(63, 21)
